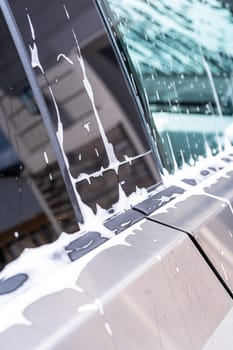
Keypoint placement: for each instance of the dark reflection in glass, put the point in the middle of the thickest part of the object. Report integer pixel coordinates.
(29, 216)
(37, 206)
(179, 54)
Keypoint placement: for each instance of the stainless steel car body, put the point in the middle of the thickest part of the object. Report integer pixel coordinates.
(164, 280)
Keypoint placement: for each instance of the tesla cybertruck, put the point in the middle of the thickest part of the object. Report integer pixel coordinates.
(116, 174)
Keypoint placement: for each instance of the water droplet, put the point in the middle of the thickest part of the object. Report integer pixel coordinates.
(87, 126)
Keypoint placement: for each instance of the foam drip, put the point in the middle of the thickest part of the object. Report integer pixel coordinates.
(114, 164)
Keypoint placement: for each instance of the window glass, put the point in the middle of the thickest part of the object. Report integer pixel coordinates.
(27, 217)
(106, 154)
(179, 55)
(86, 93)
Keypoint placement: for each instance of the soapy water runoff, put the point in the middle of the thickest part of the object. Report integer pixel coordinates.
(39, 263)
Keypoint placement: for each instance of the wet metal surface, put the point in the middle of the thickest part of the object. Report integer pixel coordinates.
(208, 216)
(138, 286)
(222, 337)
(149, 287)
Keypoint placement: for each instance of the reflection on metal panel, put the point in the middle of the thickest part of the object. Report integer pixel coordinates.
(206, 213)
(222, 337)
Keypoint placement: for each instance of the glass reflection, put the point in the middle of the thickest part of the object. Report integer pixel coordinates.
(180, 56)
(38, 207)
(28, 216)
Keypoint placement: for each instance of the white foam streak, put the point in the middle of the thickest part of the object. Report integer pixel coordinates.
(100, 306)
(108, 146)
(85, 210)
(46, 158)
(31, 27)
(126, 202)
(88, 308)
(214, 91)
(188, 171)
(66, 12)
(224, 272)
(125, 223)
(97, 152)
(108, 328)
(62, 55)
(113, 166)
(211, 80)
(172, 153)
(35, 58)
(87, 126)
